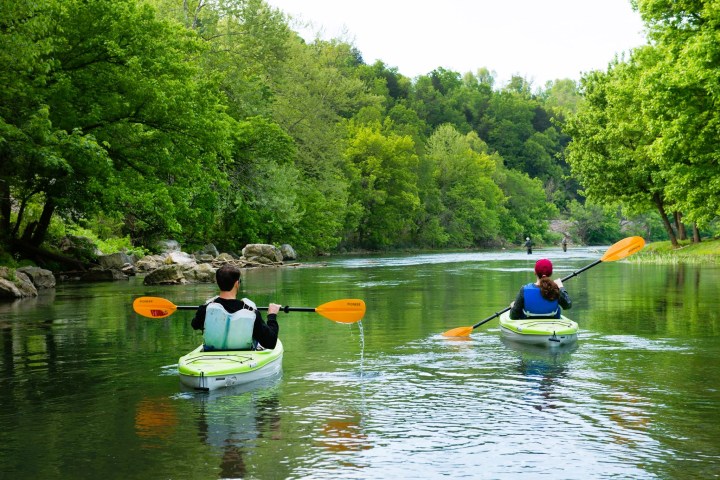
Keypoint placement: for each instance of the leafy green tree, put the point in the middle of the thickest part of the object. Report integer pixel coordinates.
(130, 124)
(680, 96)
(384, 182)
(610, 151)
(469, 200)
(594, 224)
(528, 209)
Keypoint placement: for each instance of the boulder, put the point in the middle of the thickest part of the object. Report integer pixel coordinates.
(103, 275)
(115, 260)
(288, 252)
(224, 258)
(40, 277)
(208, 249)
(129, 270)
(149, 263)
(262, 253)
(180, 258)
(204, 258)
(15, 284)
(203, 273)
(166, 275)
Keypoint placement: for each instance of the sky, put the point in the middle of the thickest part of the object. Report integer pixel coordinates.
(540, 40)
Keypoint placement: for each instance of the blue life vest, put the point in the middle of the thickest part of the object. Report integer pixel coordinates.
(538, 306)
(229, 331)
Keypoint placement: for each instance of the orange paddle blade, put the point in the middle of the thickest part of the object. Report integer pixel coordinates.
(154, 307)
(348, 310)
(623, 248)
(459, 332)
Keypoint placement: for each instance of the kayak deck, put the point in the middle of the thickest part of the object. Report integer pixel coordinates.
(223, 368)
(539, 331)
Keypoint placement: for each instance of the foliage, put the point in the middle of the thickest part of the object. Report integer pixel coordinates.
(214, 121)
(594, 224)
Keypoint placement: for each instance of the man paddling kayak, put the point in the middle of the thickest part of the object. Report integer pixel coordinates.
(232, 324)
(542, 299)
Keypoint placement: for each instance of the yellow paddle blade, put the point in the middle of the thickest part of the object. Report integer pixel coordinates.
(154, 307)
(623, 248)
(348, 310)
(459, 332)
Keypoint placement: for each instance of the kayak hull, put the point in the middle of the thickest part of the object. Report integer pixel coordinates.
(549, 332)
(202, 370)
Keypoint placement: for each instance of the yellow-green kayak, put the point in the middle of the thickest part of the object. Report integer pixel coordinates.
(550, 332)
(203, 370)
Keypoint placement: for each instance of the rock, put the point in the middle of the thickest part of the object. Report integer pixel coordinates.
(166, 275)
(40, 277)
(15, 284)
(128, 270)
(115, 260)
(288, 252)
(224, 258)
(203, 273)
(103, 275)
(262, 253)
(208, 249)
(204, 258)
(149, 263)
(180, 258)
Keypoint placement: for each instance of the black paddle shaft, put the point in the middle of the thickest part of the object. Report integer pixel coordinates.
(574, 274)
(285, 309)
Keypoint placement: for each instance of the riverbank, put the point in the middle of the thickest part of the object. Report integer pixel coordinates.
(705, 252)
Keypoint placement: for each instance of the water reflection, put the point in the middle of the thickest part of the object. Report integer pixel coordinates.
(544, 368)
(234, 421)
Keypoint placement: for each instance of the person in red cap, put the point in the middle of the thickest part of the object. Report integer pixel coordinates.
(543, 299)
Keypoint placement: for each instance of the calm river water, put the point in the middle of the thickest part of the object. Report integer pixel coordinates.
(88, 389)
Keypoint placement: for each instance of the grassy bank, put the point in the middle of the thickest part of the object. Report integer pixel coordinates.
(705, 252)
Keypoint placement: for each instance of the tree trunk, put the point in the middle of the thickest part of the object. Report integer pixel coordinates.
(5, 209)
(666, 222)
(696, 233)
(682, 234)
(43, 224)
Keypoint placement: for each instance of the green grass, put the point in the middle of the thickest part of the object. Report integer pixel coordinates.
(705, 252)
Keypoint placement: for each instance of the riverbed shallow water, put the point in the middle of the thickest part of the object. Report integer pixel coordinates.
(88, 388)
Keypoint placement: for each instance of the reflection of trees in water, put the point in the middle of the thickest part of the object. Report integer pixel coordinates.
(543, 366)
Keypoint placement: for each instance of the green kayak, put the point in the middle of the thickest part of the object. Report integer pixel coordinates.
(203, 370)
(550, 332)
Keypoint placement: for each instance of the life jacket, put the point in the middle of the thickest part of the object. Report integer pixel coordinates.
(538, 306)
(229, 331)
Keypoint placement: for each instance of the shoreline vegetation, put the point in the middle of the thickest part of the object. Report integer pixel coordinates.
(706, 252)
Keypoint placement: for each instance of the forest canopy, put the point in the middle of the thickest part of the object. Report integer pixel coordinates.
(216, 122)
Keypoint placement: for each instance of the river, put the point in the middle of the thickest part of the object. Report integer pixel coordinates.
(88, 388)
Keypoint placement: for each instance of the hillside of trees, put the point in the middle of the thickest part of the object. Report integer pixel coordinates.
(138, 120)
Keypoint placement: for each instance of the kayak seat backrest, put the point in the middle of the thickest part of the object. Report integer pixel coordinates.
(537, 306)
(228, 331)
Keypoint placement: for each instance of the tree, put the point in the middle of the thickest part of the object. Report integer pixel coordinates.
(129, 124)
(463, 195)
(610, 151)
(384, 184)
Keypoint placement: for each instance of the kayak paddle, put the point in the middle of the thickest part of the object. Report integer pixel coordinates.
(348, 310)
(618, 251)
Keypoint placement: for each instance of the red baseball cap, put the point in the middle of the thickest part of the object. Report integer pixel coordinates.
(543, 268)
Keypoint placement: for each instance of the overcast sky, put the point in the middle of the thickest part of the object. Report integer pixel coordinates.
(540, 40)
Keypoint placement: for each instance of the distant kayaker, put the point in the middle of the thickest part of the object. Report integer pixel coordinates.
(528, 245)
(544, 298)
(232, 324)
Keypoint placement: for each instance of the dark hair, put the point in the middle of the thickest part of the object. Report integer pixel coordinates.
(226, 276)
(549, 289)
